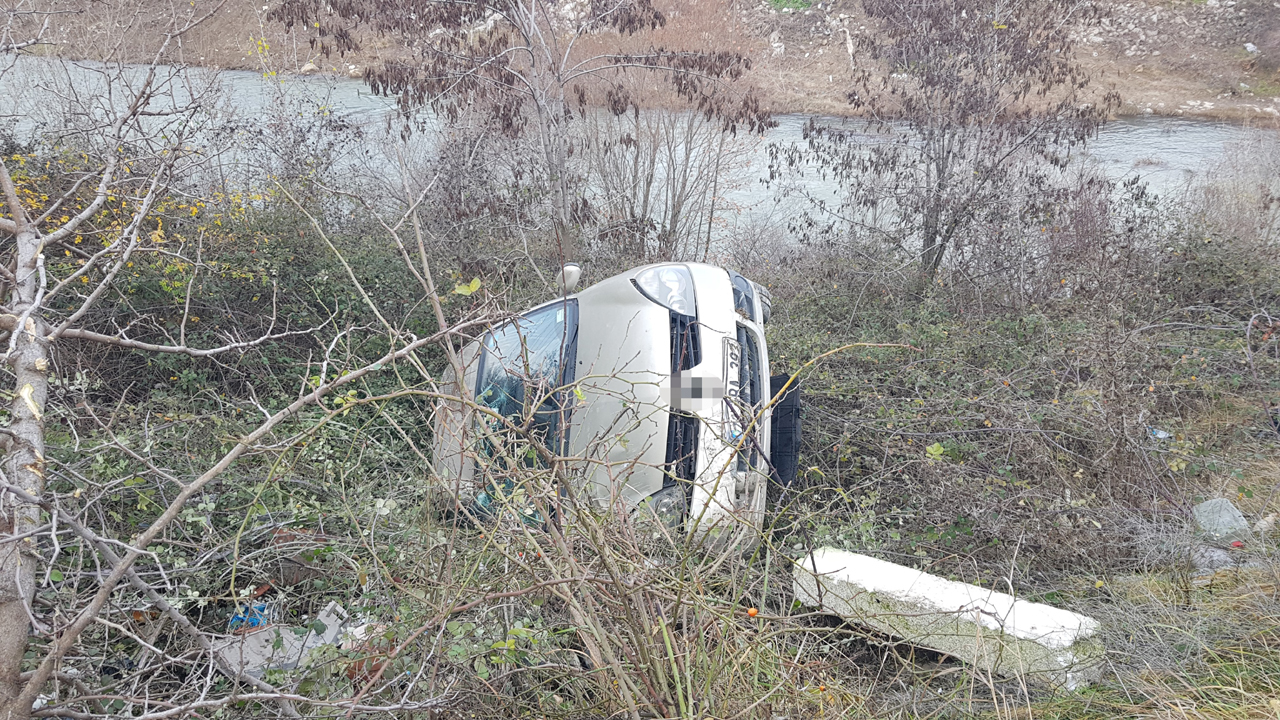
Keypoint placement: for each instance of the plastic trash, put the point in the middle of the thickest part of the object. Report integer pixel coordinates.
(250, 617)
(267, 647)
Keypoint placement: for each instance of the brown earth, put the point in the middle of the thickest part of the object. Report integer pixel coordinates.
(1203, 58)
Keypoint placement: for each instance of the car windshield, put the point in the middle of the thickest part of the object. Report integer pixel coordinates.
(525, 362)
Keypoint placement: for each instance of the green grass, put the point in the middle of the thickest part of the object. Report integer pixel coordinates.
(1264, 87)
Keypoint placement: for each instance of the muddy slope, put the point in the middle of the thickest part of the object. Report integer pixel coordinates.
(1208, 58)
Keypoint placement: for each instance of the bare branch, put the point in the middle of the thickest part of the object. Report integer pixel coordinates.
(91, 336)
(67, 638)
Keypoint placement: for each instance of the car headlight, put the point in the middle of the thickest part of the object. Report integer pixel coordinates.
(671, 286)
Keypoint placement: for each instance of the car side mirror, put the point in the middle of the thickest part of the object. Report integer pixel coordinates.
(568, 277)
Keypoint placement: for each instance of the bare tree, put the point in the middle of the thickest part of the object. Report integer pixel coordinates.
(24, 25)
(966, 102)
(133, 142)
(655, 176)
(123, 148)
(525, 63)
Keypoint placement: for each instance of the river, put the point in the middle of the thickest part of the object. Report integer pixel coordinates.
(1167, 153)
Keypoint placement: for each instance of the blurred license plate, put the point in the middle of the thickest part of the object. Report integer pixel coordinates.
(732, 366)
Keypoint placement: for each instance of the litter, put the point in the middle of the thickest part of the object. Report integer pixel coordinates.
(272, 647)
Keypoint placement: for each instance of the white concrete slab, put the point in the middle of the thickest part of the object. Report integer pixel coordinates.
(989, 629)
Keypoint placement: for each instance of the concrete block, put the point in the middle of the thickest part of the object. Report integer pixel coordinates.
(1221, 522)
(989, 629)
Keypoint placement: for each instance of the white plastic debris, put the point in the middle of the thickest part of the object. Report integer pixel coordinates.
(992, 630)
(276, 647)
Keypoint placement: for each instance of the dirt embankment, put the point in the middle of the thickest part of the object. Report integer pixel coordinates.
(1204, 58)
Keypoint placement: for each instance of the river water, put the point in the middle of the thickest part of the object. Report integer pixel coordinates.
(1166, 151)
(1169, 154)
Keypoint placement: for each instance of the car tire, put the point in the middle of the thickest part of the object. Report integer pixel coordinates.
(785, 431)
(660, 518)
(667, 507)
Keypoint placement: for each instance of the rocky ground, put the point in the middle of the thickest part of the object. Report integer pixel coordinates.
(1205, 58)
(1208, 58)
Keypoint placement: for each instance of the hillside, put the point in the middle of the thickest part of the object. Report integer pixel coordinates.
(1202, 58)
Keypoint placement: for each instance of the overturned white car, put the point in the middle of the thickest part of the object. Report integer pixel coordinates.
(647, 390)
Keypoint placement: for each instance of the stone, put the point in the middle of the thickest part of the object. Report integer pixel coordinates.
(1208, 557)
(308, 69)
(1221, 523)
(991, 630)
(1266, 525)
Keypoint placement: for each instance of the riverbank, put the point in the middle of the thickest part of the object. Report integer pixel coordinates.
(1211, 59)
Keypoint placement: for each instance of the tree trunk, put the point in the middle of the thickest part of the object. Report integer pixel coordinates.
(931, 243)
(23, 461)
(554, 138)
(934, 240)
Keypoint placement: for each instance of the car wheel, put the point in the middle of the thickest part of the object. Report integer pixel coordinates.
(660, 517)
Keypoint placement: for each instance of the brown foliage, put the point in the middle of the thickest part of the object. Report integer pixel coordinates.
(984, 97)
